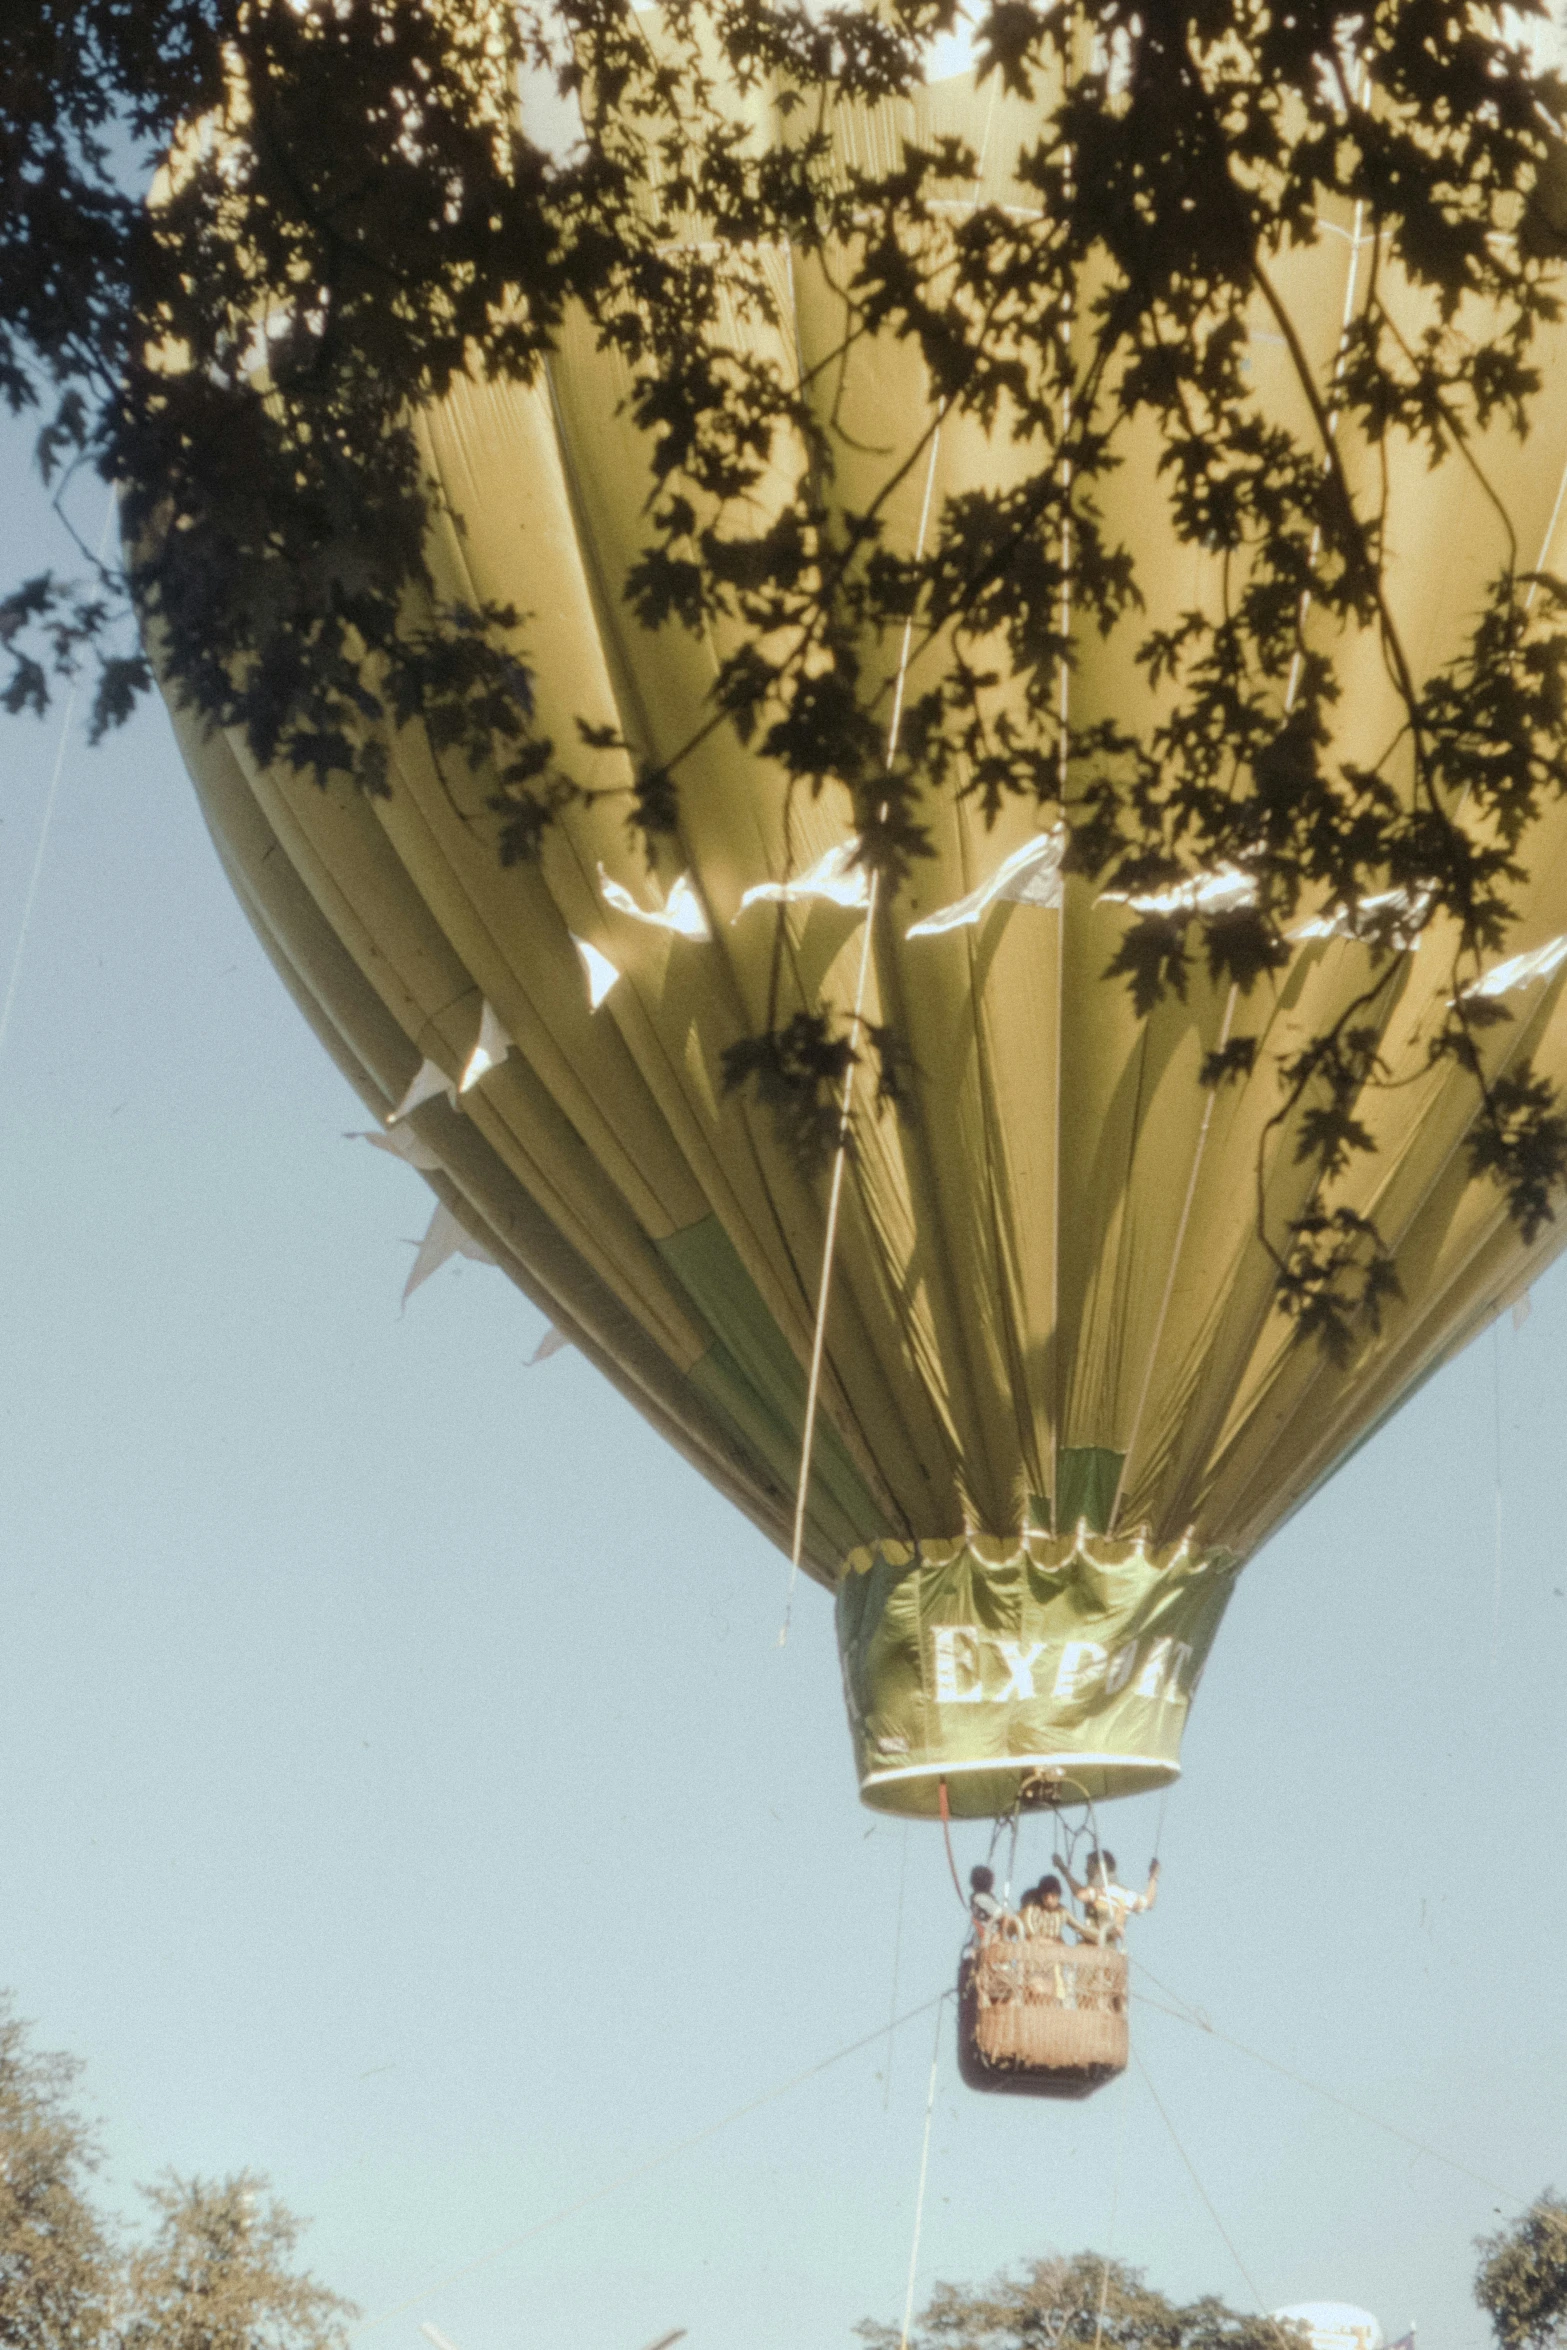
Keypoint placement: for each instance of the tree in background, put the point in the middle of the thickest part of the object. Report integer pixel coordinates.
(1522, 2280)
(56, 2266)
(1089, 2303)
(217, 2273)
(1076, 2304)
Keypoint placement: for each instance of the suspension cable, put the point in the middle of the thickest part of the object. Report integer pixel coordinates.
(50, 797)
(1185, 2013)
(1115, 2205)
(829, 1246)
(1211, 2206)
(641, 2170)
(919, 2205)
(946, 1837)
(897, 1952)
(841, 1150)
(829, 1242)
(1496, 1506)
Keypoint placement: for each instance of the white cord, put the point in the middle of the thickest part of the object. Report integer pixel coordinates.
(829, 1243)
(897, 1953)
(834, 1197)
(919, 2206)
(43, 832)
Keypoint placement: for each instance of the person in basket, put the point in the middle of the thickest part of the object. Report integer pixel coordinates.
(1045, 1915)
(983, 1907)
(1108, 1904)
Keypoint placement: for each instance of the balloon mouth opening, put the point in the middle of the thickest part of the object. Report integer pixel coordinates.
(987, 1788)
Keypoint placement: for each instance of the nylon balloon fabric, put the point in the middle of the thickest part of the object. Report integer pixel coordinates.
(1059, 1404)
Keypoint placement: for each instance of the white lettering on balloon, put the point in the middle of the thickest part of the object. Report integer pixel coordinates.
(957, 1650)
(1150, 1681)
(1080, 1661)
(1020, 1668)
(1083, 1668)
(1120, 1670)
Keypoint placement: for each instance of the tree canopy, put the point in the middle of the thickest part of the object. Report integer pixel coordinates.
(245, 240)
(216, 2273)
(1084, 2300)
(1074, 2303)
(1521, 2283)
(55, 2270)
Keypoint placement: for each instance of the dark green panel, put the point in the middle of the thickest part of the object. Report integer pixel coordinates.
(1087, 1478)
(751, 1377)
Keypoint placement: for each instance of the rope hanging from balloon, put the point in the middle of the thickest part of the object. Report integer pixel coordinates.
(52, 795)
(829, 1244)
(897, 1953)
(1115, 2206)
(1212, 2208)
(946, 1837)
(919, 2201)
(641, 2170)
(840, 1156)
(1067, 1797)
(1496, 1497)
(845, 1116)
(1184, 2012)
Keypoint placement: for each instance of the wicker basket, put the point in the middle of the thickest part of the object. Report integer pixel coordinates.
(1041, 2019)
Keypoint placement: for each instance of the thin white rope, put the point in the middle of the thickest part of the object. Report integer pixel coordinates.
(841, 1153)
(1545, 543)
(1063, 777)
(38, 866)
(829, 1243)
(1175, 1263)
(1115, 2205)
(905, 648)
(829, 1249)
(1496, 1512)
(53, 793)
(1212, 2207)
(641, 2170)
(1356, 240)
(897, 1952)
(1185, 2013)
(919, 2205)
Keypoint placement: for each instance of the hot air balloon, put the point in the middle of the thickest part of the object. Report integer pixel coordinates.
(1335, 2325)
(1056, 1406)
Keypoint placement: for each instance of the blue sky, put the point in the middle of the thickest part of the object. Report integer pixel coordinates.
(402, 1790)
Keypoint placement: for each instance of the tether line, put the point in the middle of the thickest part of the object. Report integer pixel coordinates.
(829, 1243)
(50, 797)
(1115, 2205)
(642, 2170)
(829, 1250)
(919, 2203)
(841, 1154)
(1210, 2205)
(1184, 2013)
(897, 1953)
(1496, 1510)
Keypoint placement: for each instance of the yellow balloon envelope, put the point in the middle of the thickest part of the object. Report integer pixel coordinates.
(1059, 1405)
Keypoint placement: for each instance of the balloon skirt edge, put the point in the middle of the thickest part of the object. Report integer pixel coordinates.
(987, 1789)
